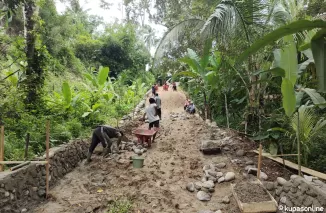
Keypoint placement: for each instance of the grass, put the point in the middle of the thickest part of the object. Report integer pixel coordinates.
(120, 206)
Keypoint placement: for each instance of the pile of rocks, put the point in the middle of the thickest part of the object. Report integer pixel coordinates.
(298, 191)
(212, 176)
(133, 147)
(180, 116)
(211, 146)
(250, 168)
(139, 149)
(139, 110)
(127, 146)
(211, 123)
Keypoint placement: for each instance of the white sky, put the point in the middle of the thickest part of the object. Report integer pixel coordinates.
(116, 12)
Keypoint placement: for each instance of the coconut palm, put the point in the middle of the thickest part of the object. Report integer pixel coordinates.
(309, 127)
(230, 20)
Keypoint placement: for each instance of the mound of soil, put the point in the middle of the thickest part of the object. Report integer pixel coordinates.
(251, 192)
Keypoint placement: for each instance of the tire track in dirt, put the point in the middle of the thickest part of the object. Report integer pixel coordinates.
(172, 161)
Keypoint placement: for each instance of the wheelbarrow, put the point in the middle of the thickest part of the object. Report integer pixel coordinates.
(145, 135)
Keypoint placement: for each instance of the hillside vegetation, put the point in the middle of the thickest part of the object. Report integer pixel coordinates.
(59, 67)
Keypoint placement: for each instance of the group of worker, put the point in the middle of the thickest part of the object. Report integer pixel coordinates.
(165, 87)
(104, 134)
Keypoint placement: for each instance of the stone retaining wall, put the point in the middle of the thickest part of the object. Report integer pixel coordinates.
(298, 192)
(26, 186)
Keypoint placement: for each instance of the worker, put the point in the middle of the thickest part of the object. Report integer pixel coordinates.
(191, 108)
(186, 104)
(151, 113)
(104, 134)
(153, 90)
(158, 105)
(174, 86)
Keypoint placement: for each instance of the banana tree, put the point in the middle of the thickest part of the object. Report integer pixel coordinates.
(286, 61)
(199, 74)
(101, 92)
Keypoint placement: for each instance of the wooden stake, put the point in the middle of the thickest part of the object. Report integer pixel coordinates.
(26, 146)
(20, 166)
(2, 146)
(259, 161)
(19, 162)
(299, 148)
(47, 156)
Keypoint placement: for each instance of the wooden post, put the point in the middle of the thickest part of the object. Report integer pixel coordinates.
(20, 166)
(47, 156)
(26, 146)
(259, 161)
(299, 145)
(2, 146)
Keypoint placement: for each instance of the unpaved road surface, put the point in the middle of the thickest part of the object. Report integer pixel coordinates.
(160, 186)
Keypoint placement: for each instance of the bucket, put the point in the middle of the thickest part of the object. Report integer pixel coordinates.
(137, 161)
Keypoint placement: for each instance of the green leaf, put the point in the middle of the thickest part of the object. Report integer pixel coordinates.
(289, 61)
(289, 101)
(277, 129)
(277, 71)
(315, 97)
(193, 55)
(103, 75)
(192, 80)
(277, 34)
(260, 137)
(91, 79)
(273, 149)
(298, 97)
(206, 54)
(66, 93)
(96, 106)
(318, 48)
(86, 114)
(191, 63)
(304, 47)
(210, 73)
(187, 74)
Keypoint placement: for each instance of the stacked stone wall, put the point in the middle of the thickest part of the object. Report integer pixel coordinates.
(298, 192)
(24, 187)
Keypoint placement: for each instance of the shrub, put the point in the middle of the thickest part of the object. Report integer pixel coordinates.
(60, 133)
(75, 127)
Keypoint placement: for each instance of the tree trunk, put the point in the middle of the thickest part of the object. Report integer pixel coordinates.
(206, 106)
(34, 73)
(226, 111)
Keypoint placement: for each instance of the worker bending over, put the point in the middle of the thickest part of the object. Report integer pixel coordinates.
(104, 134)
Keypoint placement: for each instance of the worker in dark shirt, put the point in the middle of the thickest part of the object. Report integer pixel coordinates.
(103, 134)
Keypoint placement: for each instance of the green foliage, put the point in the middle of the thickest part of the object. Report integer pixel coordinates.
(57, 76)
(66, 93)
(309, 127)
(319, 52)
(289, 29)
(289, 100)
(120, 206)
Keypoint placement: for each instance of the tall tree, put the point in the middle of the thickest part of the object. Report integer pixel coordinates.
(34, 71)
